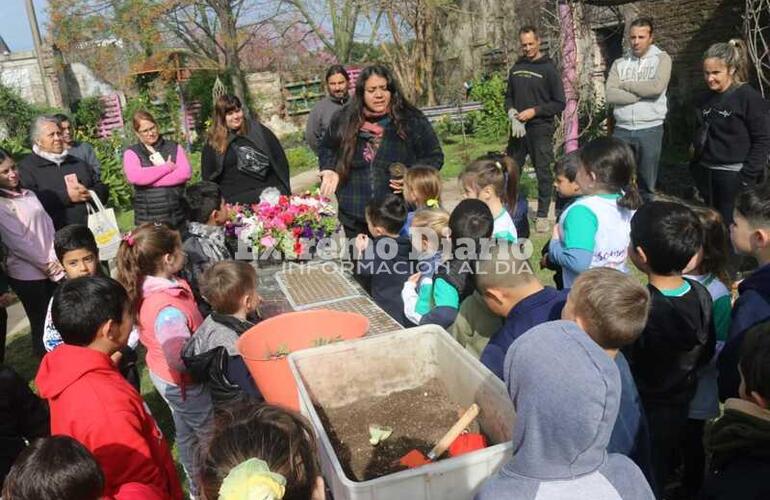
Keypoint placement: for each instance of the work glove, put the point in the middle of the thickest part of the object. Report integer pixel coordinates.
(518, 129)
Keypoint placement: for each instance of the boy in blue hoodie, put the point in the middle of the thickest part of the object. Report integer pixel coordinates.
(612, 307)
(750, 234)
(567, 392)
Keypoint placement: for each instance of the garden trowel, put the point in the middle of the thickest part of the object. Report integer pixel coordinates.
(416, 458)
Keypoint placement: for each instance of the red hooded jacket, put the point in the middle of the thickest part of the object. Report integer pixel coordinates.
(91, 402)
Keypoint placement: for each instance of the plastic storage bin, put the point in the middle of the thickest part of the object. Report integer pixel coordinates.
(339, 374)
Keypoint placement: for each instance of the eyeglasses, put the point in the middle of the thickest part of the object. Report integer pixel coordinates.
(147, 130)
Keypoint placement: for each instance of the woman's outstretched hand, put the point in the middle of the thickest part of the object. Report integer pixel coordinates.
(329, 181)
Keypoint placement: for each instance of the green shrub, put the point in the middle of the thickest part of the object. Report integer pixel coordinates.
(16, 147)
(109, 153)
(301, 158)
(491, 122)
(88, 113)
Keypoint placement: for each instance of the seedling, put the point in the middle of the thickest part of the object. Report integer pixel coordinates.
(379, 433)
(280, 352)
(326, 341)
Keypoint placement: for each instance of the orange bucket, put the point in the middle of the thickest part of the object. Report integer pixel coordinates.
(265, 346)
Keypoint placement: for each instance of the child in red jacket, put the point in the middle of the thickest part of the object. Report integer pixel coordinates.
(90, 400)
(60, 467)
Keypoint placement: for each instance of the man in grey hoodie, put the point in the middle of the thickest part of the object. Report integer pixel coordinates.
(337, 80)
(636, 88)
(566, 391)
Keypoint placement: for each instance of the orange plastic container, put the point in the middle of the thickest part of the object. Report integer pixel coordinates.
(265, 346)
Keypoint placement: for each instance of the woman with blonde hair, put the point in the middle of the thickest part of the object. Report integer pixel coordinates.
(242, 155)
(732, 142)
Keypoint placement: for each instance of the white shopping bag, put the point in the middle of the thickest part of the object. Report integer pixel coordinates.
(104, 225)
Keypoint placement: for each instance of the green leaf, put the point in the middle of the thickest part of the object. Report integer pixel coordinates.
(379, 433)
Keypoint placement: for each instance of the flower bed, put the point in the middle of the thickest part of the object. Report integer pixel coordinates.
(282, 227)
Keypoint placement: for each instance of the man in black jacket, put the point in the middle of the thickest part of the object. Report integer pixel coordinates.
(60, 181)
(534, 96)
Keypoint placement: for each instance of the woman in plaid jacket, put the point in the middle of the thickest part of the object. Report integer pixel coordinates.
(379, 127)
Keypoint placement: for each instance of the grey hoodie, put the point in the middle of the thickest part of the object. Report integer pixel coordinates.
(636, 87)
(566, 391)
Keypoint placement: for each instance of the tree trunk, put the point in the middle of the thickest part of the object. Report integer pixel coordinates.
(229, 37)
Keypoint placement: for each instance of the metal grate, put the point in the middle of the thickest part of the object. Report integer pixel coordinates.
(379, 320)
(306, 286)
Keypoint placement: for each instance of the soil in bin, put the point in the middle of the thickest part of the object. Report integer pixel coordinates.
(419, 417)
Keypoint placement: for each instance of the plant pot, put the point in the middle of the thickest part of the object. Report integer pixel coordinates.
(263, 347)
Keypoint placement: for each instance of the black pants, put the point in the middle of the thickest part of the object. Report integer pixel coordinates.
(3, 332)
(668, 424)
(538, 145)
(693, 458)
(718, 189)
(34, 296)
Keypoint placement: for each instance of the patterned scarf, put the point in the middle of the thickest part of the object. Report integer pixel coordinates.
(372, 131)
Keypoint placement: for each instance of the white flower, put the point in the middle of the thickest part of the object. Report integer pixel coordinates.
(270, 195)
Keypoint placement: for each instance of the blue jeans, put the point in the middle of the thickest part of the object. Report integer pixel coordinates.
(646, 143)
(192, 414)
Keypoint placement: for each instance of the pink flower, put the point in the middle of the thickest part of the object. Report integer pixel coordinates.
(267, 241)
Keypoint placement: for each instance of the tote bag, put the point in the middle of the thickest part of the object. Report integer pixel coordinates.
(104, 226)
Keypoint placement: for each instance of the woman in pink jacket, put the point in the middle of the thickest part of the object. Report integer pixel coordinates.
(158, 169)
(27, 232)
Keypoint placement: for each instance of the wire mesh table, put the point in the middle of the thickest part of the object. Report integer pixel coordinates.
(318, 285)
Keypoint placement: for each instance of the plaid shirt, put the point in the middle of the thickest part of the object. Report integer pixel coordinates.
(369, 180)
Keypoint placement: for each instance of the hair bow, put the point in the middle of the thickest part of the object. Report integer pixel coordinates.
(129, 239)
(432, 203)
(252, 480)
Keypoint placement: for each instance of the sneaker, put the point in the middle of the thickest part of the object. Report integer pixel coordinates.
(542, 225)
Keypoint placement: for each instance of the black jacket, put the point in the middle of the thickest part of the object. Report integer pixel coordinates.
(226, 377)
(678, 339)
(158, 204)
(734, 127)
(367, 181)
(388, 275)
(739, 446)
(46, 180)
(22, 416)
(535, 84)
(240, 187)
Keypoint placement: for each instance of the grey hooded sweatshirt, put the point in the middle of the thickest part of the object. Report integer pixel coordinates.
(566, 391)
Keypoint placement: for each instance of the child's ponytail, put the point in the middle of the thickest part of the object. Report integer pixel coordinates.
(496, 170)
(140, 254)
(611, 161)
(631, 199)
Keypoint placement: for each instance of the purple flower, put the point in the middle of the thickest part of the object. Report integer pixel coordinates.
(307, 232)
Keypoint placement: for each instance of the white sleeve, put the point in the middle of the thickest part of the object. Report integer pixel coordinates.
(409, 296)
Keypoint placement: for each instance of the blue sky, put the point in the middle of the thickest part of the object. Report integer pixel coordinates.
(14, 27)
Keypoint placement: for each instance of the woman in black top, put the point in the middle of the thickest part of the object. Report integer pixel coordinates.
(378, 128)
(732, 141)
(242, 156)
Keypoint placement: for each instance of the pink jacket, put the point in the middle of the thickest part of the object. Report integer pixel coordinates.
(164, 348)
(27, 231)
(161, 176)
